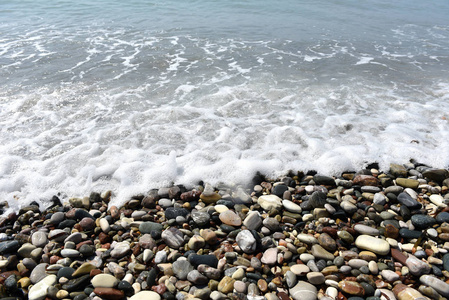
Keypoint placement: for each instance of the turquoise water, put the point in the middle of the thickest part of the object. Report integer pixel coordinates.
(100, 95)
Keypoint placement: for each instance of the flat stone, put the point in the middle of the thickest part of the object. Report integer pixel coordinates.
(109, 293)
(357, 263)
(57, 217)
(407, 183)
(320, 253)
(389, 275)
(315, 278)
(146, 295)
(437, 175)
(229, 217)
(209, 260)
(197, 278)
(173, 212)
(70, 253)
(437, 284)
(299, 269)
(226, 285)
(422, 221)
(403, 292)
(147, 227)
(39, 290)
(9, 246)
(373, 244)
(104, 280)
(75, 237)
(87, 223)
(351, 287)
(291, 206)
(365, 180)
(57, 235)
(307, 239)
(269, 256)
(181, 268)
(269, 202)
(416, 266)
(76, 284)
(348, 207)
(364, 229)
(303, 291)
(405, 199)
(240, 286)
(25, 250)
(38, 273)
(438, 200)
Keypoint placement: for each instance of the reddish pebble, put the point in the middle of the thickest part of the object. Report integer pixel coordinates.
(114, 212)
(283, 296)
(351, 288)
(88, 242)
(104, 238)
(87, 223)
(54, 259)
(109, 293)
(160, 289)
(94, 272)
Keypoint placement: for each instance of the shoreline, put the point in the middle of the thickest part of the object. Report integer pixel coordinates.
(362, 235)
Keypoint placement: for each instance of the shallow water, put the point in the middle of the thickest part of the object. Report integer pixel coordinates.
(100, 95)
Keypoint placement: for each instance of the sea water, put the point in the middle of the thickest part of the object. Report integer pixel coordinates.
(132, 95)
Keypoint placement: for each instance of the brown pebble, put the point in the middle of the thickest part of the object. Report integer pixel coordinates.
(391, 231)
(109, 293)
(94, 272)
(262, 285)
(114, 212)
(104, 238)
(351, 287)
(160, 289)
(283, 296)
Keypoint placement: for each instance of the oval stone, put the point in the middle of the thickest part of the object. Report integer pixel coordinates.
(373, 244)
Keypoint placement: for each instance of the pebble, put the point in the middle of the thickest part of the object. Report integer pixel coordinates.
(104, 280)
(253, 220)
(39, 290)
(146, 295)
(269, 202)
(303, 291)
(246, 241)
(229, 217)
(373, 244)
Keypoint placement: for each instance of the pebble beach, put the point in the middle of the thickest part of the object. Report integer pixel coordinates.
(368, 234)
